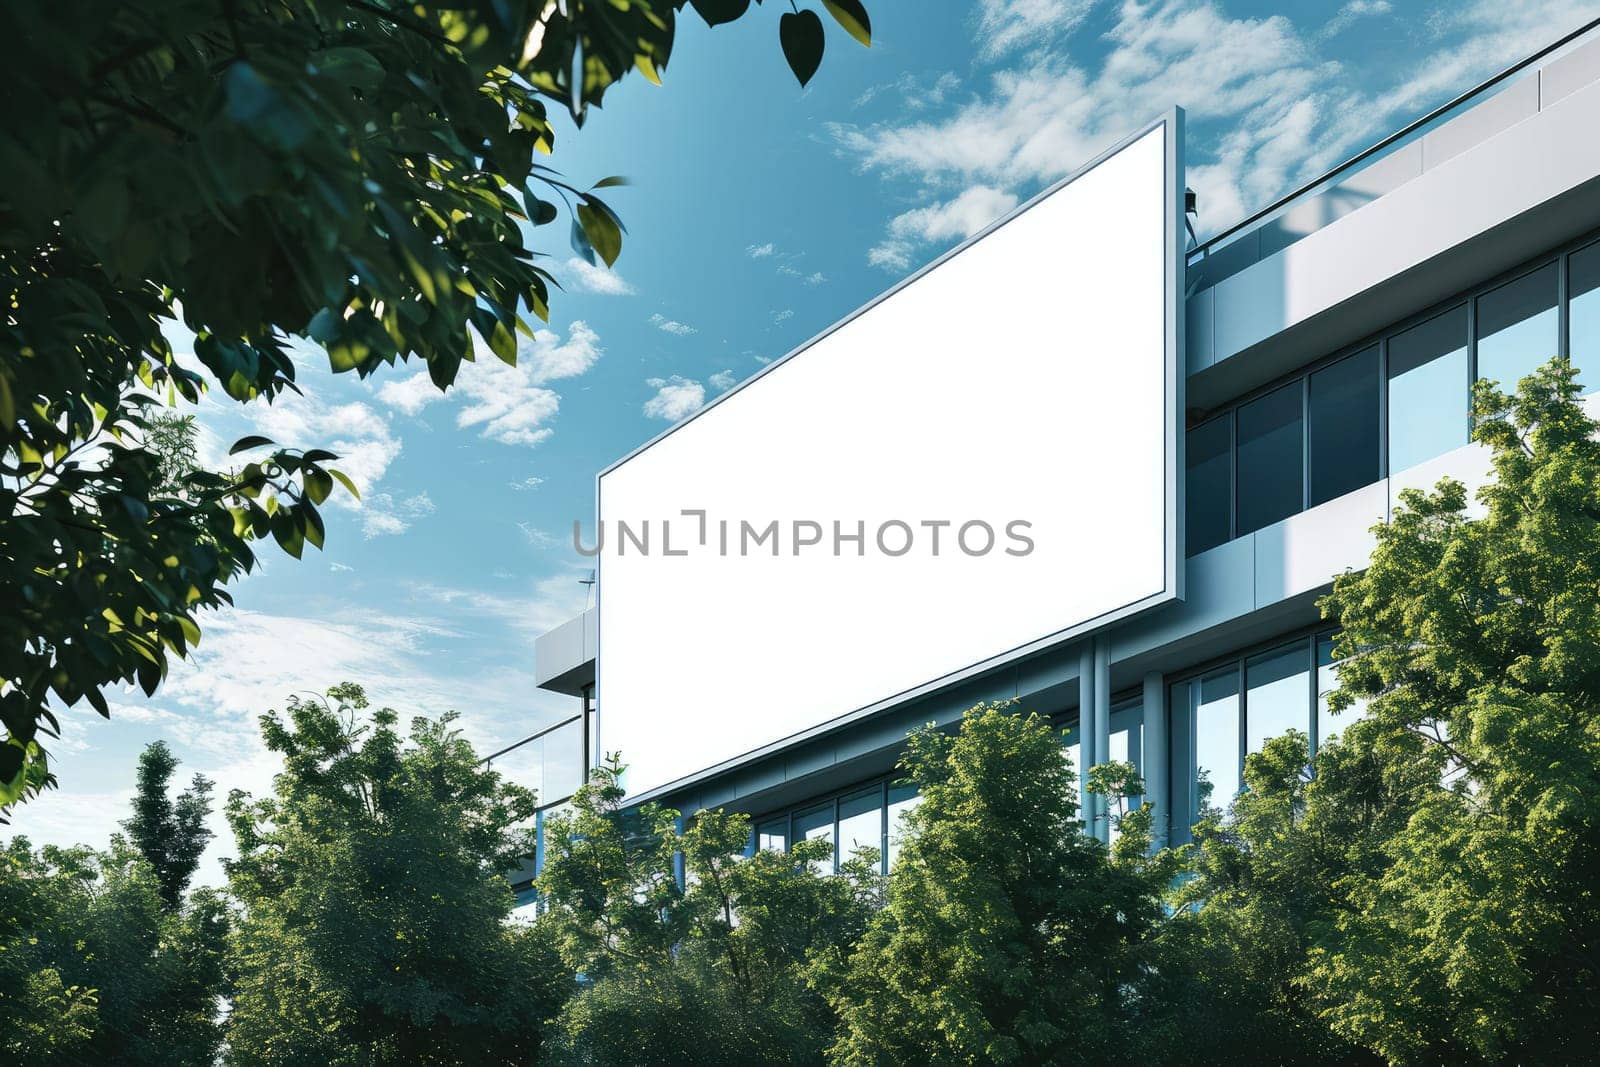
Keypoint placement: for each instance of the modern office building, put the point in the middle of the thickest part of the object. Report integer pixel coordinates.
(1329, 345)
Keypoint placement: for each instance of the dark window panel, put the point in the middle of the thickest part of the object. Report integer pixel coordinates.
(1344, 428)
(1209, 503)
(1271, 458)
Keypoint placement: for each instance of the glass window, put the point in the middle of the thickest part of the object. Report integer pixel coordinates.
(1278, 694)
(1209, 493)
(1271, 467)
(1214, 718)
(1428, 390)
(1583, 307)
(773, 834)
(1344, 427)
(902, 798)
(1127, 736)
(1329, 724)
(861, 823)
(1518, 331)
(1071, 749)
(814, 823)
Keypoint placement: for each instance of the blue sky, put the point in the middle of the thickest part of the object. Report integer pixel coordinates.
(759, 215)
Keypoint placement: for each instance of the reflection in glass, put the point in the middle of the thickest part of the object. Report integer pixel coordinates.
(902, 798)
(1344, 427)
(1214, 710)
(861, 823)
(1583, 307)
(1271, 467)
(1071, 749)
(773, 835)
(1279, 694)
(1329, 724)
(1209, 502)
(816, 823)
(1518, 331)
(1428, 390)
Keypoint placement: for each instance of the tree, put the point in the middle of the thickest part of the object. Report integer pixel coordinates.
(374, 899)
(714, 969)
(364, 174)
(95, 967)
(171, 837)
(1477, 640)
(1008, 936)
(1265, 884)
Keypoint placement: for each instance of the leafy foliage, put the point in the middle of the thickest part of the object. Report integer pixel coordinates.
(375, 901)
(1478, 642)
(1425, 894)
(96, 967)
(712, 970)
(171, 837)
(362, 173)
(1009, 936)
(1265, 884)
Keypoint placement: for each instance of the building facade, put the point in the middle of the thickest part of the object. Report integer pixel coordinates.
(1332, 343)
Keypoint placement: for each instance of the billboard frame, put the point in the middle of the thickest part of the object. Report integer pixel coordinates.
(1174, 374)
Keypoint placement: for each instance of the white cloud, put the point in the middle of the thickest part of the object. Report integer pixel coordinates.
(1285, 114)
(675, 397)
(510, 404)
(1008, 25)
(780, 317)
(814, 278)
(759, 251)
(1354, 11)
(532, 481)
(340, 568)
(723, 380)
(672, 326)
(954, 219)
(423, 660)
(597, 279)
(913, 93)
(536, 537)
(385, 515)
(357, 434)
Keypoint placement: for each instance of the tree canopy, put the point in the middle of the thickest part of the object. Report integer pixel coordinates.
(364, 174)
(96, 967)
(732, 948)
(1009, 935)
(171, 836)
(374, 900)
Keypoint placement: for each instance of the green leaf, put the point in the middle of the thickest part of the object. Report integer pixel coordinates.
(319, 484)
(853, 17)
(540, 212)
(613, 181)
(800, 34)
(244, 444)
(345, 481)
(312, 527)
(717, 12)
(601, 228)
(286, 530)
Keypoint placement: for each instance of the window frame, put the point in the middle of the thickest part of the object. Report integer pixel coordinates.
(1560, 254)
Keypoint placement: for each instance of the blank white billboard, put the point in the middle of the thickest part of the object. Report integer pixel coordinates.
(981, 463)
